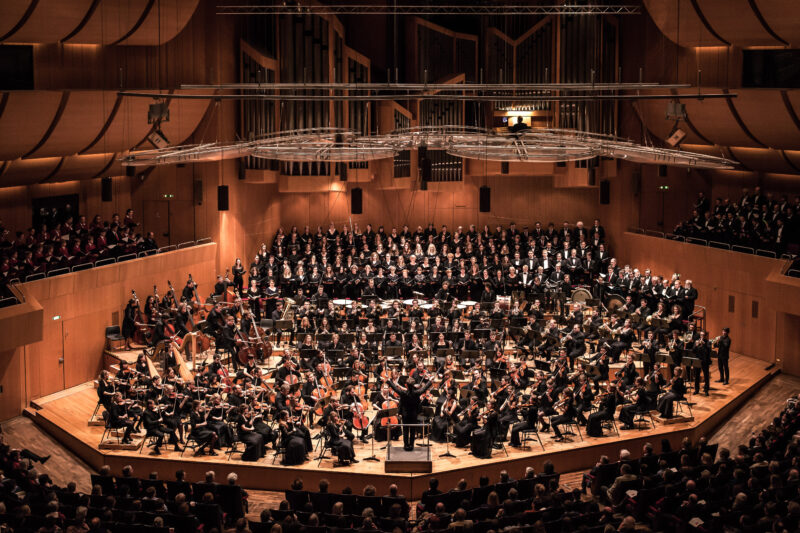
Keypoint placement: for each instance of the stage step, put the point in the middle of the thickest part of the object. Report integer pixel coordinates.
(674, 419)
(112, 444)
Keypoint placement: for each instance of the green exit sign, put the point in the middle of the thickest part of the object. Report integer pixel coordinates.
(663, 188)
(169, 196)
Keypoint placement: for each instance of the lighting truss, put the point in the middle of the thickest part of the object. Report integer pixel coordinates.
(422, 10)
(322, 144)
(194, 153)
(438, 87)
(341, 145)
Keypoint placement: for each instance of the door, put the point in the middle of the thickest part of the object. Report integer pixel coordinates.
(155, 218)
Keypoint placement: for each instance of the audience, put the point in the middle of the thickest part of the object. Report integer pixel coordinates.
(757, 220)
(66, 241)
(754, 488)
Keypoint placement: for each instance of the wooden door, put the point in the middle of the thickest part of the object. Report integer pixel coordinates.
(155, 218)
(83, 348)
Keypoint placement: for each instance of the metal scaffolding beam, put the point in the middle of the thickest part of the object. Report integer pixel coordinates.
(440, 87)
(422, 10)
(444, 97)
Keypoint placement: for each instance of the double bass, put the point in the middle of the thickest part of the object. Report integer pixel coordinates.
(142, 327)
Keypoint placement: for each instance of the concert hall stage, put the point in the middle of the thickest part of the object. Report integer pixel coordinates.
(65, 415)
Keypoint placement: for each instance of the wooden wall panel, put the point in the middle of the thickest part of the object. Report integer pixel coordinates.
(787, 347)
(76, 309)
(719, 275)
(12, 399)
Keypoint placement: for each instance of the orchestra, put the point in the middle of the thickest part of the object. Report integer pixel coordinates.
(481, 355)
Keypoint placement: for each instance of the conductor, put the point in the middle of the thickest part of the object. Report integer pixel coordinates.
(410, 407)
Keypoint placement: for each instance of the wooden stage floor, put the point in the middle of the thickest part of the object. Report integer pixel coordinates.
(65, 416)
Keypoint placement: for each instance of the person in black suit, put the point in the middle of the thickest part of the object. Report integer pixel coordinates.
(409, 407)
(723, 344)
(702, 351)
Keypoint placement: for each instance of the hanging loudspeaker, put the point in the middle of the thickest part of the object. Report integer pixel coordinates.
(197, 192)
(222, 198)
(105, 190)
(662, 171)
(485, 199)
(504, 167)
(356, 197)
(605, 192)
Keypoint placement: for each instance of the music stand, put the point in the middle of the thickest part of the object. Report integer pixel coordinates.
(472, 355)
(393, 351)
(694, 363)
(382, 413)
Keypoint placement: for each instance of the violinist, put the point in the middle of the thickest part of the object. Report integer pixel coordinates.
(105, 390)
(340, 439)
(639, 400)
(508, 412)
(173, 406)
(478, 385)
(217, 421)
(155, 427)
(292, 441)
(446, 413)
(463, 429)
(530, 419)
(605, 411)
(654, 381)
(200, 432)
(484, 437)
(261, 426)
(141, 367)
(253, 441)
(129, 321)
(566, 413)
(119, 418)
(676, 392)
(583, 398)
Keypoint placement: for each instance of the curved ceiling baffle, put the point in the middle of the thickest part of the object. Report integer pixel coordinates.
(759, 128)
(102, 22)
(740, 23)
(49, 136)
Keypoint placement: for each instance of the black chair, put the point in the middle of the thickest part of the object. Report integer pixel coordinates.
(642, 414)
(229, 497)
(106, 483)
(348, 502)
(158, 484)
(114, 334)
(454, 498)
(321, 501)
(297, 498)
(373, 502)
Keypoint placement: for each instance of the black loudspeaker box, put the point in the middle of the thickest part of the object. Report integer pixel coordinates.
(485, 199)
(222, 198)
(605, 192)
(662, 171)
(197, 192)
(356, 197)
(105, 191)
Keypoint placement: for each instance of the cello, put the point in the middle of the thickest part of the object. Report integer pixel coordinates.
(142, 327)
